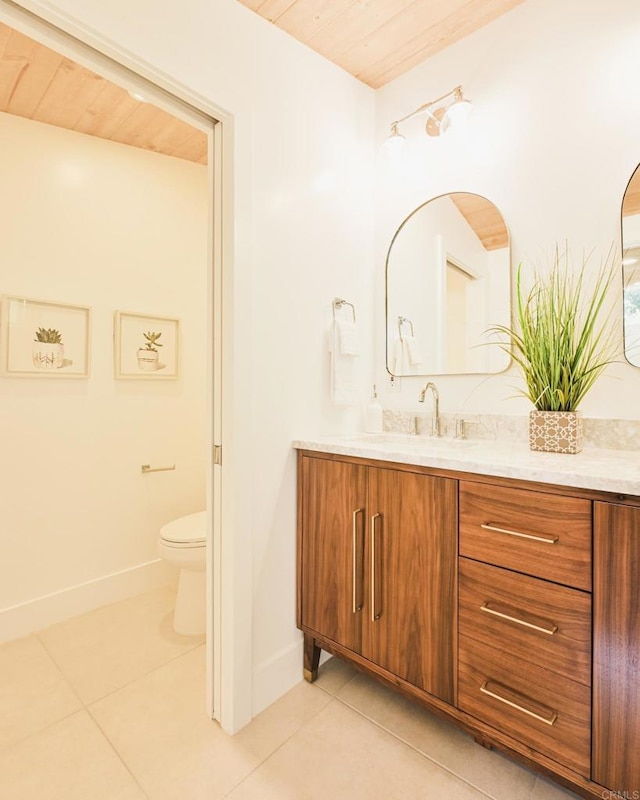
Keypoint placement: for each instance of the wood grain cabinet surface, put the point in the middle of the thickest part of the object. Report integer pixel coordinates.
(512, 610)
(413, 553)
(538, 533)
(616, 654)
(537, 707)
(333, 508)
(541, 623)
(525, 642)
(378, 566)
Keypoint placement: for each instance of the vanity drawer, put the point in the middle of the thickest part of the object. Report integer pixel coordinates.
(537, 707)
(544, 535)
(544, 624)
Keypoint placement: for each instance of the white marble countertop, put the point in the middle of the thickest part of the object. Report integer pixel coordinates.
(604, 470)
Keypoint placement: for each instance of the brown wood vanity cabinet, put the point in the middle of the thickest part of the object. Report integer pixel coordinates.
(377, 569)
(525, 631)
(511, 609)
(616, 648)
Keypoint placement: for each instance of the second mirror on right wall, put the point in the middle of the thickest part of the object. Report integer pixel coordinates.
(631, 268)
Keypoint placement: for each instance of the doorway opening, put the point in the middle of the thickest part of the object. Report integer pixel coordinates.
(51, 81)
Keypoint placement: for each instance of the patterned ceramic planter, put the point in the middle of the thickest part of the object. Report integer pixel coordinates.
(555, 431)
(47, 355)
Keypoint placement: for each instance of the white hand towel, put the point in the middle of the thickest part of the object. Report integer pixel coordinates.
(344, 374)
(412, 347)
(348, 338)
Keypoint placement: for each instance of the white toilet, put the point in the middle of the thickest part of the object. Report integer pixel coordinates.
(183, 542)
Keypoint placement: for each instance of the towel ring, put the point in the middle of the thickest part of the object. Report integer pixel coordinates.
(338, 303)
(404, 321)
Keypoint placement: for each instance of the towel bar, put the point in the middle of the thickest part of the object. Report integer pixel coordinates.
(404, 321)
(338, 303)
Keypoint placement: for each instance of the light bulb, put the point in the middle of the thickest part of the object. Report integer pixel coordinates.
(395, 142)
(457, 114)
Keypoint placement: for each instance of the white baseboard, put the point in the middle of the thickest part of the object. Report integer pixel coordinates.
(275, 677)
(34, 615)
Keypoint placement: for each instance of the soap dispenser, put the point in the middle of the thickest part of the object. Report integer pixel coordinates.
(373, 415)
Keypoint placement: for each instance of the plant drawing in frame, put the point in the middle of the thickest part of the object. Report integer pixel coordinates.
(146, 346)
(45, 339)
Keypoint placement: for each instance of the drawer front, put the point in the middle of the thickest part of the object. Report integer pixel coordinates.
(541, 623)
(536, 707)
(544, 535)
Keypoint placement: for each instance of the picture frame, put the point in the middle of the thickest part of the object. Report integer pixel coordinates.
(146, 346)
(45, 339)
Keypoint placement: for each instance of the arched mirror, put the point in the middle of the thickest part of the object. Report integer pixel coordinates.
(447, 281)
(631, 268)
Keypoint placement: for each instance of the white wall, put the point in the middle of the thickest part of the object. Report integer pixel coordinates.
(303, 214)
(91, 222)
(553, 140)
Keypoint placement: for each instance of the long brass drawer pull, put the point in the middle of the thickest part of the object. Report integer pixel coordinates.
(550, 630)
(357, 601)
(375, 615)
(548, 539)
(547, 720)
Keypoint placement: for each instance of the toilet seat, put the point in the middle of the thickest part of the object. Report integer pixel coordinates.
(186, 532)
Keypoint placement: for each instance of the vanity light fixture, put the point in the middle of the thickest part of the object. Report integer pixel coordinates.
(439, 119)
(396, 140)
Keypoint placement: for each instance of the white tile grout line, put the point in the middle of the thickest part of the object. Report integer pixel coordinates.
(68, 716)
(58, 667)
(49, 725)
(417, 750)
(283, 743)
(59, 719)
(536, 777)
(334, 696)
(87, 706)
(128, 683)
(336, 699)
(117, 753)
(81, 709)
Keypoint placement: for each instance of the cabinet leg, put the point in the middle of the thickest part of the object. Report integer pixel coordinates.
(311, 658)
(483, 742)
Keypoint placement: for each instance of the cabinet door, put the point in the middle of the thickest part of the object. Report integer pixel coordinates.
(616, 654)
(332, 549)
(412, 556)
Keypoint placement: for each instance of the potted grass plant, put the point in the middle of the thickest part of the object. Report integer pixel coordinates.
(561, 342)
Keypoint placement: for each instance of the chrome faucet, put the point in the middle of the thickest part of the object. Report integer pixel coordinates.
(435, 422)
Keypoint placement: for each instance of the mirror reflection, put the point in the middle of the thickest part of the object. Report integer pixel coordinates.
(447, 281)
(631, 268)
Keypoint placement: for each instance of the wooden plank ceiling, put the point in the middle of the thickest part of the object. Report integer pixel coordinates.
(378, 40)
(484, 218)
(40, 84)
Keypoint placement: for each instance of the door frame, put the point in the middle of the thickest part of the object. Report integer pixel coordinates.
(225, 686)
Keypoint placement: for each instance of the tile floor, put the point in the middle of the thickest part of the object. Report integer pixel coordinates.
(110, 706)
